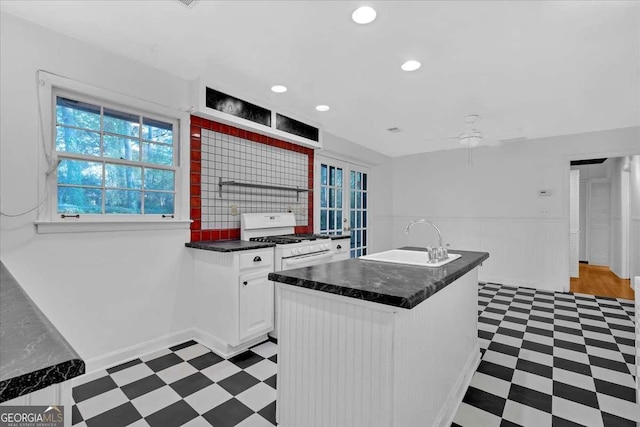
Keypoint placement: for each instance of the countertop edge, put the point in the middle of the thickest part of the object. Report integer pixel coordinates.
(65, 365)
(220, 246)
(41, 378)
(342, 291)
(407, 302)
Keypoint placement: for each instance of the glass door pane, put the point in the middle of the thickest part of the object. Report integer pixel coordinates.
(331, 197)
(358, 211)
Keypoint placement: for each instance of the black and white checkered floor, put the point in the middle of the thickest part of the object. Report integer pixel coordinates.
(552, 359)
(548, 360)
(184, 385)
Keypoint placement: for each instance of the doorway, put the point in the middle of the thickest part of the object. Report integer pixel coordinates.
(599, 227)
(342, 201)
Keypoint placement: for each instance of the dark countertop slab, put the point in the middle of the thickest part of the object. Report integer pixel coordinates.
(33, 354)
(340, 236)
(398, 285)
(229, 245)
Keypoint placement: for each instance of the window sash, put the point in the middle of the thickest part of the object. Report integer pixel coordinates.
(144, 118)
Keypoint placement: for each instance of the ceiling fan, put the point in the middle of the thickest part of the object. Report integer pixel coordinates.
(471, 137)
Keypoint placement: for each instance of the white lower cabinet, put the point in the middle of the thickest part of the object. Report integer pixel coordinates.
(233, 299)
(256, 305)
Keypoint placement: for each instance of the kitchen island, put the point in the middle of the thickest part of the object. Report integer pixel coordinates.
(367, 343)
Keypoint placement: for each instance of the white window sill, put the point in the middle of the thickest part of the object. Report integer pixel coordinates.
(50, 227)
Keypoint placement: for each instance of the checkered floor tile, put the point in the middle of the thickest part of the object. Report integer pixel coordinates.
(184, 385)
(548, 359)
(552, 359)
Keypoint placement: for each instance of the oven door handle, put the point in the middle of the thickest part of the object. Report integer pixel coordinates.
(308, 258)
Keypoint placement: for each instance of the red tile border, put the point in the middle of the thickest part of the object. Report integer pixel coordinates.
(196, 155)
(234, 233)
(199, 123)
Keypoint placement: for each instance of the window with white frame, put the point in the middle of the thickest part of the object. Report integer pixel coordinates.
(113, 161)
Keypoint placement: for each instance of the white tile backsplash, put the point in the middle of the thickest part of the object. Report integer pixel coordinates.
(232, 158)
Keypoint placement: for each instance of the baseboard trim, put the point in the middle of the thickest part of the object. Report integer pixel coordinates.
(523, 283)
(583, 262)
(448, 412)
(96, 366)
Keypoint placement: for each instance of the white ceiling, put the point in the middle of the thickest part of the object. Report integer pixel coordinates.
(531, 69)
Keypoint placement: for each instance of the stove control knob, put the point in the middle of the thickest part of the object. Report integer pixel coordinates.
(304, 249)
(295, 251)
(313, 248)
(325, 246)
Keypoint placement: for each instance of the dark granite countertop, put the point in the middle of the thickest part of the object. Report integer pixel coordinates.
(339, 236)
(398, 285)
(229, 245)
(33, 354)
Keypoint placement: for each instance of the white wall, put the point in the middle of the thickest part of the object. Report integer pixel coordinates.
(493, 205)
(380, 195)
(103, 291)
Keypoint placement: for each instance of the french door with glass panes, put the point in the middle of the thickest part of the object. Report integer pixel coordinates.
(341, 200)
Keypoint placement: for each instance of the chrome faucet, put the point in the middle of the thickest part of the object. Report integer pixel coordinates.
(435, 255)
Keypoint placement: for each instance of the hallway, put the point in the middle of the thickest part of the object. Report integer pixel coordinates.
(599, 280)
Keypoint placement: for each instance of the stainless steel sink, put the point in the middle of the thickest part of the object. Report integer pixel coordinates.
(401, 256)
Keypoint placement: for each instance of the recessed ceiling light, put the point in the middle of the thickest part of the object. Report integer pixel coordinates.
(363, 15)
(279, 89)
(322, 107)
(410, 65)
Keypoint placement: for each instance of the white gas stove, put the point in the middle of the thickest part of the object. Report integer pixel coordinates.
(292, 250)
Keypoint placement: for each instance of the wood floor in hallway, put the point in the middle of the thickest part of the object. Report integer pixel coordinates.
(599, 280)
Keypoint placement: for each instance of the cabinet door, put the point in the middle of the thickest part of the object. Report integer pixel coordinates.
(256, 305)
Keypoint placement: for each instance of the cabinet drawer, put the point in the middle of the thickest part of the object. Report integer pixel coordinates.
(341, 249)
(340, 245)
(255, 259)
